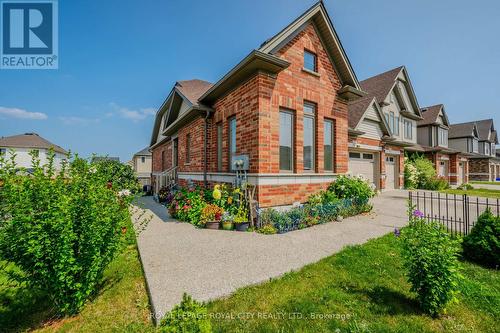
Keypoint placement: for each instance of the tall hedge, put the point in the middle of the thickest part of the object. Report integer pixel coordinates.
(60, 228)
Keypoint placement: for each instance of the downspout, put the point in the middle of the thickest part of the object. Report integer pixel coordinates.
(205, 148)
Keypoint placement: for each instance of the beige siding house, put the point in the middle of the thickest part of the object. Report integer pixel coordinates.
(142, 165)
(23, 144)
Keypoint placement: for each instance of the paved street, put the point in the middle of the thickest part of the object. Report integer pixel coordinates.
(209, 264)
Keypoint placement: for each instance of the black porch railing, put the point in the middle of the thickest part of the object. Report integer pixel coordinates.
(458, 213)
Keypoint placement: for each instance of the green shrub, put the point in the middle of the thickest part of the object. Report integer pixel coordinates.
(465, 187)
(120, 175)
(189, 316)
(482, 245)
(411, 175)
(61, 229)
(425, 170)
(349, 187)
(430, 259)
(267, 229)
(437, 184)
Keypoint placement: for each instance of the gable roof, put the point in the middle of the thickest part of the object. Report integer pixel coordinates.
(143, 152)
(379, 86)
(318, 15)
(358, 109)
(484, 129)
(192, 90)
(29, 140)
(431, 114)
(462, 130)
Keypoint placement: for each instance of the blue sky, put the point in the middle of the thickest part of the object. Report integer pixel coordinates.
(118, 59)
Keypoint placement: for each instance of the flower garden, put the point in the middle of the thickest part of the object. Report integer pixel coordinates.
(225, 207)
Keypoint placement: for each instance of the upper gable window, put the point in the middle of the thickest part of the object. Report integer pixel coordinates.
(310, 61)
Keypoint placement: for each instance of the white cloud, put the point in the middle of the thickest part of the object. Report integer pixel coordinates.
(22, 114)
(71, 120)
(134, 115)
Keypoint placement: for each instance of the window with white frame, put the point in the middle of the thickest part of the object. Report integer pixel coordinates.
(475, 146)
(493, 149)
(408, 129)
(442, 136)
(486, 148)
(310, 61)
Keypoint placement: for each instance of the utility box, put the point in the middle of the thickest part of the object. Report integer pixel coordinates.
(240, 163)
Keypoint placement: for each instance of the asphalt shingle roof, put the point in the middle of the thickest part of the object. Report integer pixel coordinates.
(483, 128)
(430, 114)
(461, 130)
(380, 85)
(29, 140)
(144, 152)
(193, 89)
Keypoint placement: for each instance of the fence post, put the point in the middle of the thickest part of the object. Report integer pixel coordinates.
(466, 214)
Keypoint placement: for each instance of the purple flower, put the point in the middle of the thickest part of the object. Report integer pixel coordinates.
(397, 232)
(418, 213)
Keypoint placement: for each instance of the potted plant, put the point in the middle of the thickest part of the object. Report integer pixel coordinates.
(241, 222)
(211, 216)
(227, 221)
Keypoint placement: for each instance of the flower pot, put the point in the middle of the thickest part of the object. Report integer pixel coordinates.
(212, 225)
(242, 226)
(227, 225)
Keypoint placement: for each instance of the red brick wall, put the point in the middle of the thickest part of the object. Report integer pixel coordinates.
(157, 157)
(256, 103)
(289, 90)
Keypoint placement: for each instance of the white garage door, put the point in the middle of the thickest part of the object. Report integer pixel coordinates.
(460, 173)
(443, 169)
(362, 163)
(391, 170)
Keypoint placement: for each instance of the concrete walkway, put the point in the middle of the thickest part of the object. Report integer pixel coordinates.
(208, 264)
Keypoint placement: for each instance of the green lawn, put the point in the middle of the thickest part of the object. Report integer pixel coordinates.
(121, 306)
(485, 182)
(361, 289)
(477, 192)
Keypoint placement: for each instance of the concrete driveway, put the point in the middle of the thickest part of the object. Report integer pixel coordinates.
(208, 264)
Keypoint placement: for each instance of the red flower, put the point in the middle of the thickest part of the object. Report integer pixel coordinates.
(110, 184)
(218, 216)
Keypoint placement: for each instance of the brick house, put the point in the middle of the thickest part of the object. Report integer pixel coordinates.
(432, 137)
(382, 125)
(479, 138)
(282, 111)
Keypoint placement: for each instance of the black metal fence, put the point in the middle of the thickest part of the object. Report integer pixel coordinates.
(458, 213)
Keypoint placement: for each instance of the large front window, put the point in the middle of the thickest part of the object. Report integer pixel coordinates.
(232, 141)
(443, 137)
(408, 129)
(309, 121)
(219, 147)
(475, 146)
(328, 145)
(286, 141)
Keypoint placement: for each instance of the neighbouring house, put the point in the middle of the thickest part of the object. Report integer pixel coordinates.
(142, 165)
(432, 136)
(478, 138)
(280, 116)
(382, 125)
(23, 144)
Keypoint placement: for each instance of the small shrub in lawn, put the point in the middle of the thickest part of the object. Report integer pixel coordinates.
(430, 259)
(60, 228)
(347, 187)
(437, 184)
(465, 187)
(267, 229)
(189, 316)
(482, 245)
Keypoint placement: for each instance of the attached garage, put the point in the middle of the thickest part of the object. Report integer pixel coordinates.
(443, 168)
(461, 173)
(366, 164)
(391, 172)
